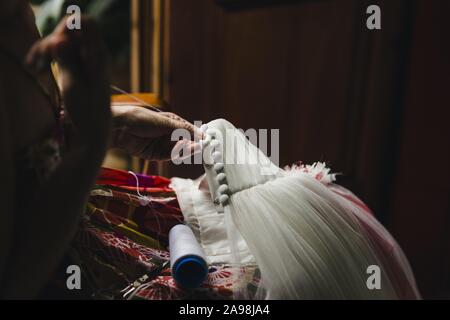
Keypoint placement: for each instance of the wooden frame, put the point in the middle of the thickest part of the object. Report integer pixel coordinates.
(148, 45)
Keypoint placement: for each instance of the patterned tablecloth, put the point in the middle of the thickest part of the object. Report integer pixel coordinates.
(121, 243)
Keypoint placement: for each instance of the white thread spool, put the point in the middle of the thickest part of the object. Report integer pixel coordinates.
(187, 259)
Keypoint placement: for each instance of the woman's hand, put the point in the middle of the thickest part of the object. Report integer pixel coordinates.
(81, 57)
(147, 134)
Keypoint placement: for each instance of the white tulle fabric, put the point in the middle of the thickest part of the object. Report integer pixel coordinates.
(308, 241)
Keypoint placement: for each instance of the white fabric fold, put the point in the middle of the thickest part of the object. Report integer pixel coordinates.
(208, 225)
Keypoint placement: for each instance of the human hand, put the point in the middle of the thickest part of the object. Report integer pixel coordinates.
(147, 134)
(81, 57)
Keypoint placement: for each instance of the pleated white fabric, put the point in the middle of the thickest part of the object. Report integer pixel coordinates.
(308, 241)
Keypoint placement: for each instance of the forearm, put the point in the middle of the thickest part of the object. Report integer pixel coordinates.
(125, 116)
(52, 219)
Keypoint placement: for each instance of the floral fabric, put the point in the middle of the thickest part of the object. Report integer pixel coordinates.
(122, 242)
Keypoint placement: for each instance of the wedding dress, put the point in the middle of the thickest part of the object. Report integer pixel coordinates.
(307, 238)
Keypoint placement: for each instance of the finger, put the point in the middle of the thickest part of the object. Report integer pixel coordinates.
(59, 45)
(184, 149)
(38, 59)
(78, 50)
(177, 122)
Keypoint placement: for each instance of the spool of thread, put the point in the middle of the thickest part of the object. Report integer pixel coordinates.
(187, 259)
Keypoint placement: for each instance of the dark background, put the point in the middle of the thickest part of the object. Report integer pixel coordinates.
(372, 104)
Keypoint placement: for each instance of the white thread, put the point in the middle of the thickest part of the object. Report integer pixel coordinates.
(143, 200)
(135, 98)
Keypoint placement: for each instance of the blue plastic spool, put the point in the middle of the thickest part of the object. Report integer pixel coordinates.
(190, 271)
